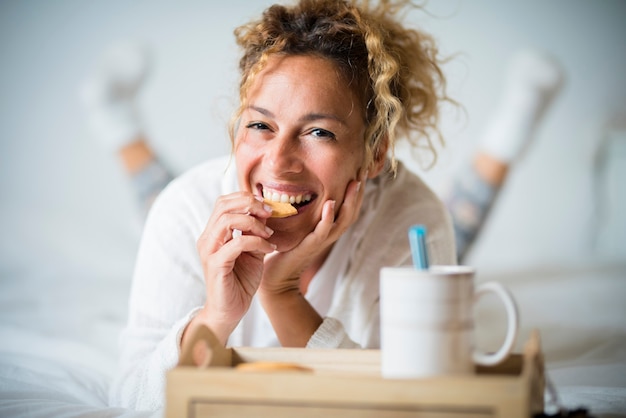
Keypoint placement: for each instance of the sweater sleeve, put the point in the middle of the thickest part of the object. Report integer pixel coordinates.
(167, 292)
(331, 334)
(140, 384)
(379, 239)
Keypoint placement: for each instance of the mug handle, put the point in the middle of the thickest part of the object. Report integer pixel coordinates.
(491, 359)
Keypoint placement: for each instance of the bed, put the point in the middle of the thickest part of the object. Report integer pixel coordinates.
(58, 336)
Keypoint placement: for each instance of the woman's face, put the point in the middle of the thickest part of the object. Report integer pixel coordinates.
(300, 137)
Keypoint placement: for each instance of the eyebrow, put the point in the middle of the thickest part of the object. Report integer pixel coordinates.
(308, 117)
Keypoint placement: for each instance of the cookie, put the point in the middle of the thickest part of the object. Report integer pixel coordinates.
(280, 209)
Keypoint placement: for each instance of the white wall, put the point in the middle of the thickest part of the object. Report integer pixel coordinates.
(64, 203)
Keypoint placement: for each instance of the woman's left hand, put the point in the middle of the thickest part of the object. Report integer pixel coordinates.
(282, 270)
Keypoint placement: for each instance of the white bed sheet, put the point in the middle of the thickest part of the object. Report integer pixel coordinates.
(58, 345)
(58, 338)
(580, 312)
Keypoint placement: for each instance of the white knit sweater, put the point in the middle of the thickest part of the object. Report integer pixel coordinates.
(168, 284)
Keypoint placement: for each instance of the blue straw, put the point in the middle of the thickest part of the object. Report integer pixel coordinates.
(417, 241)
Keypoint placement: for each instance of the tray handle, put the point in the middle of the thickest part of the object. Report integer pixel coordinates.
(203, 350)
(533, 372)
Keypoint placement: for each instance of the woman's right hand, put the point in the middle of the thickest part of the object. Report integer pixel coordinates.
(232, 261)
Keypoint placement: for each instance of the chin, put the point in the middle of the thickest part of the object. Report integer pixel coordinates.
(283, 242)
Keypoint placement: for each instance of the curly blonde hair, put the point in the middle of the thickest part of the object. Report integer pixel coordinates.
(394, 70)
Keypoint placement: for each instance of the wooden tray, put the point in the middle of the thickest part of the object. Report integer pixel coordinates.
(344, 383)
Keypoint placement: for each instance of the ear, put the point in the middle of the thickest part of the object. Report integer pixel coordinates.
(378, 162)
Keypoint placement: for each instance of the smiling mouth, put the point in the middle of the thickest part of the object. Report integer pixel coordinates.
(297, 200)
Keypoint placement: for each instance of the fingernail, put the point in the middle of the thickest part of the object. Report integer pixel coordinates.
(267, 208)
(358, 186)
(259, 198)
(269, 231)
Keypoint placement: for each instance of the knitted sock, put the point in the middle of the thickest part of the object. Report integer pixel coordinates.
(532, 81)
(109, 95)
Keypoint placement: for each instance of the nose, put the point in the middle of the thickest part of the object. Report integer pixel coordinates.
(283, 155)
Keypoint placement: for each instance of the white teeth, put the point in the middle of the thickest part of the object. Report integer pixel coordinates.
(285, 198)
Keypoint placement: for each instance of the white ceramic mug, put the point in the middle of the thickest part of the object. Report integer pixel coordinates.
(426, 321)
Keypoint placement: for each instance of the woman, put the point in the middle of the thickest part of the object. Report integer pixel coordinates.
(534, 79)
(327, 89)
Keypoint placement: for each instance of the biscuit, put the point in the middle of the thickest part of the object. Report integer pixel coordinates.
(271, 366)
(280, 209)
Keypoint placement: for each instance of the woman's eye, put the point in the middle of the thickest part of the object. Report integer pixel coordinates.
(322, 133)
(257, 125)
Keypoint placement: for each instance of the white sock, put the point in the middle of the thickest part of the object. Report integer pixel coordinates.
(110, 94)
(532, 81)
